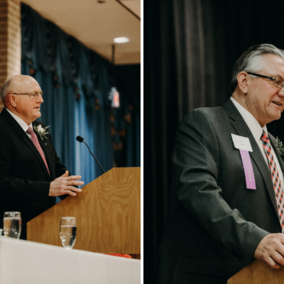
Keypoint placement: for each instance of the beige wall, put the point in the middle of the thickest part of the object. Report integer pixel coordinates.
(10, 40)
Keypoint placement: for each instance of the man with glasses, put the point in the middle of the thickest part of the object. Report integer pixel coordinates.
(227, 202)
(31, 174)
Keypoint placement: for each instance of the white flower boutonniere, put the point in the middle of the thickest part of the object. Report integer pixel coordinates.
(280, 147)
(41, 131)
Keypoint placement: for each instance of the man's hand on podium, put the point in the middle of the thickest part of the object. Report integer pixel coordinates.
(271, 250)
(64, 185)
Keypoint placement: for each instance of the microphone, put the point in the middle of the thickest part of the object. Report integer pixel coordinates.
(81, 139)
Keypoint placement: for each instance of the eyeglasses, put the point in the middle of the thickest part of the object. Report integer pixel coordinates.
(33, 96)
(278, 82)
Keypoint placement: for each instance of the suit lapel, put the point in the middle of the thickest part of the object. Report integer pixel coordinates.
(21, 133)
(242, 129)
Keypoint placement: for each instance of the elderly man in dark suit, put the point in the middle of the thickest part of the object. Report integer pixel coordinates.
(31, 174)
(227, 180)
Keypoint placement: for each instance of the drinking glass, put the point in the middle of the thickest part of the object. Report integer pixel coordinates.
(68, 230)
(12, 223)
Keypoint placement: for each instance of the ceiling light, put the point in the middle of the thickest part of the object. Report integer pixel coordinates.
(121, 39)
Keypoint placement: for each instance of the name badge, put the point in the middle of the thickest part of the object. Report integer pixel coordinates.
(243, 145)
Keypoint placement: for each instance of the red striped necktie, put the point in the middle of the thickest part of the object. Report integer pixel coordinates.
(37, 145)
(275, 178)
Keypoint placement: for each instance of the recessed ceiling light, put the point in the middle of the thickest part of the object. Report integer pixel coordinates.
(121, 39)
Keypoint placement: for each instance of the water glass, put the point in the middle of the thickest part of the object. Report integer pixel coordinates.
(68, 231)
(12, 224)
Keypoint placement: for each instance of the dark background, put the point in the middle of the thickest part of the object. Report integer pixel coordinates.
(190, 47)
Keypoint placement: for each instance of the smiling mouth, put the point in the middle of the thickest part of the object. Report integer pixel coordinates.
(278, 103)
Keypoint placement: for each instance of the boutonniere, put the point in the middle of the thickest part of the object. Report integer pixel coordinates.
(41, 131)
(280, 147)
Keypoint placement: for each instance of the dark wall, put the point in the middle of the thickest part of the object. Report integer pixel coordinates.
(190, 47)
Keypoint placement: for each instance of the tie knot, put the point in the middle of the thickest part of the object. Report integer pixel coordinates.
(30, 131)
(264, 137)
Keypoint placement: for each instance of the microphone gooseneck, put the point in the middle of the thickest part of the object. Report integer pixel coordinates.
(81, 139)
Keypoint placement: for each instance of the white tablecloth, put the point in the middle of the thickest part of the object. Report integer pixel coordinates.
(33, 263)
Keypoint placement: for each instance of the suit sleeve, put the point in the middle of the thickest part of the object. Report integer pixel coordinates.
(13, 187)
(195, 168)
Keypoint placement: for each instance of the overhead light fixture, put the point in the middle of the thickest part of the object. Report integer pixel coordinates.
(121, 39)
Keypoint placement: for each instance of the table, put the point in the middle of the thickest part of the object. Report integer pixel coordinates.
(34, 263)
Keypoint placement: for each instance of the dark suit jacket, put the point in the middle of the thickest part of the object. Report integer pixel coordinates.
(215, 223)
(24, 179)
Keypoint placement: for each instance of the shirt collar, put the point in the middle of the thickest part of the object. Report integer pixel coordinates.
(250, 120)
(20, 121)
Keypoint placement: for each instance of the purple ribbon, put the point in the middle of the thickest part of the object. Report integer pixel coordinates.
(250, 180)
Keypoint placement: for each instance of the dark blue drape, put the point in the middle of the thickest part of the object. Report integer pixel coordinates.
(127, 80)
(76, 82)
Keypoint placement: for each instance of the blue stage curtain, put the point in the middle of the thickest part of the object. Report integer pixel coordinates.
(127, 80)
(76, 83)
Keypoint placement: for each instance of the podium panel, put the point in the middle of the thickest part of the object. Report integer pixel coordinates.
(258, 272)
(107, 213)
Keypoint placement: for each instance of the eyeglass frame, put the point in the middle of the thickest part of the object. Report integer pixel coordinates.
(33, 94)
(269, 78)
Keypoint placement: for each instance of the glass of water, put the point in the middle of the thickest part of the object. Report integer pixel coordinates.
(12, 224)
(68, 230)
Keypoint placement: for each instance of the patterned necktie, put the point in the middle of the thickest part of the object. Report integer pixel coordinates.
(37, 145)
(275, 178)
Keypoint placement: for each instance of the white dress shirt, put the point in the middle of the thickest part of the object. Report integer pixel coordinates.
(256, 131)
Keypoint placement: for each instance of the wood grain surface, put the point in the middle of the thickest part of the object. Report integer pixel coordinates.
(107, 213)
(258, 272)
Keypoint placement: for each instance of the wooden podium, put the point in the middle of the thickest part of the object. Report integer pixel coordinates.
(107, 213)
(258, 272)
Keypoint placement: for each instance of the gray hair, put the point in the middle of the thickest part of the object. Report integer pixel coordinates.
(252, 61)
(5, 88)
